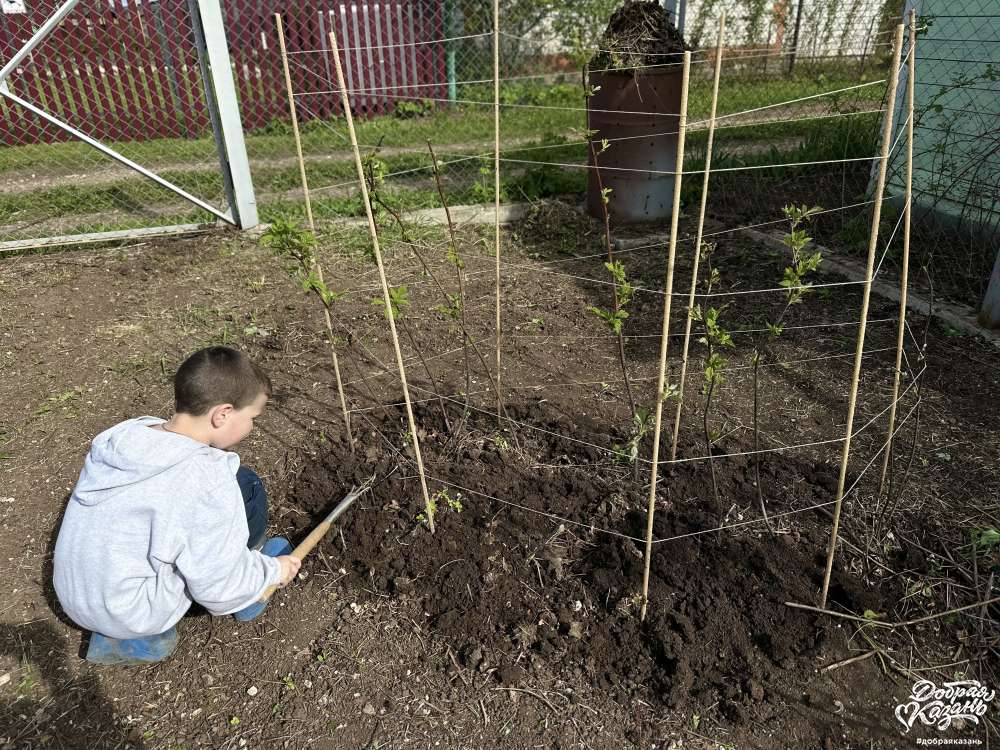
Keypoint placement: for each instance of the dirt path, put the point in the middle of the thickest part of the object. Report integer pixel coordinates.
(105, 171)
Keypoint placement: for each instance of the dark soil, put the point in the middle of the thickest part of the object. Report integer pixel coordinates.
(512, 591)
(505, 629)
(638, 34)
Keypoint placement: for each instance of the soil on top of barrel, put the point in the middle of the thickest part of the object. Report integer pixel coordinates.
(638, 34)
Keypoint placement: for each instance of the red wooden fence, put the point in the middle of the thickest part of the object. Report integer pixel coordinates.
(128, 70)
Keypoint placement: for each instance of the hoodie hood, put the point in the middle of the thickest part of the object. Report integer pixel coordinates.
(131, 452)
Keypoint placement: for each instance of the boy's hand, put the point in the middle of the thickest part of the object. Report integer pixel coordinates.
(289, 568)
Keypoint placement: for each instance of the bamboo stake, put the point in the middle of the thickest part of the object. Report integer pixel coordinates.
(335, 50)
(904, 274)
(295, 120)
(496, 180)
(312, 226)
(700, 234)
(665, 328)
(859, 349)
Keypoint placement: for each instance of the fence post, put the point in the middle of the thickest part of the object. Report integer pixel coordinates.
(496, 187)
(213, 108)
(449, 46)
(682, 11)
(244, 206)
(168, 58)
(989, 313)
(795, 37)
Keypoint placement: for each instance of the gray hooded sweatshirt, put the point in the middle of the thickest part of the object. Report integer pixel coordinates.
(155, 522)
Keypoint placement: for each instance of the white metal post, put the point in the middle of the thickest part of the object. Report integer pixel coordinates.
(244, 206)
(989, 313)
(671, 7)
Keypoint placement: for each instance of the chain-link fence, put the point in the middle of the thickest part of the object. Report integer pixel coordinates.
(128, 76)
(423, 71)
(956, 153)
(417, 70)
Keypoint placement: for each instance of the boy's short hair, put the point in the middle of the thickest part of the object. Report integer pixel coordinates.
(218, 375)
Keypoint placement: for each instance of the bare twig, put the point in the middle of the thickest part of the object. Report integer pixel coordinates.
(892, 625)
(532, 693)
(845, 662)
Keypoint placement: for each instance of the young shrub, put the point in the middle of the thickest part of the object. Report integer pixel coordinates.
(399, 300)
(795, 280)
(297, 247)
(715, 339)
(614, 319)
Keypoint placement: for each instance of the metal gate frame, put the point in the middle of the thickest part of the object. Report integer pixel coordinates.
(227, 126)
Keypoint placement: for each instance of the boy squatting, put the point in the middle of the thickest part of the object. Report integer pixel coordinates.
(163, 515)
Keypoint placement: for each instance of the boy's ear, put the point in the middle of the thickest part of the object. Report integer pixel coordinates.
(219, 414)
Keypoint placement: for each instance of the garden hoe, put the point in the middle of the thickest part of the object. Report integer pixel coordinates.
(307, 544)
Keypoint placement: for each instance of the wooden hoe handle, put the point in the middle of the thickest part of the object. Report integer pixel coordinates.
(306, 545)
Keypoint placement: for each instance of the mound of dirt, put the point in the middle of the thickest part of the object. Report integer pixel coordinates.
(517, 591)
(638, 34)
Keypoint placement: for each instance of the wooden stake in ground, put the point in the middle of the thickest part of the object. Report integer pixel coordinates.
(387, 299)
(295, 120)
(496, 182)
(866, 297)
(699, 234)
(911, 72)
(668, 289)
(312, 226)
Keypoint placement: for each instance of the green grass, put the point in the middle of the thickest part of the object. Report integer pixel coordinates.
(443, 125)
(463, 130)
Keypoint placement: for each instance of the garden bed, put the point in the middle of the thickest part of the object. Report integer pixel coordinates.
(505, 628)
(533, 586)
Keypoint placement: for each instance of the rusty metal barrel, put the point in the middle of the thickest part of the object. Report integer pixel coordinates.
(642, 110)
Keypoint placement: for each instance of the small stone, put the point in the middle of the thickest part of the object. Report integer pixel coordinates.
(369, 709)
(401, 585)
(473, 658)
(510, 675)
(252, 691)
(4, 678)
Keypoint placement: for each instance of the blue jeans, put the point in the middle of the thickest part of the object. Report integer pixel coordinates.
(255, 505)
